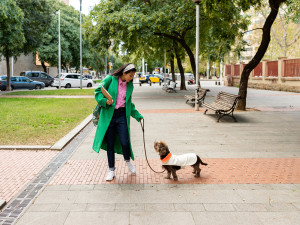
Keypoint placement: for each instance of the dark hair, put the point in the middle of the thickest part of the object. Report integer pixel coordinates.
(119, 72)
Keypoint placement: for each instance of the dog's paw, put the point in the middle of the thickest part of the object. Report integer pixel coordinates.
(197, 175)
(175, 179)
(167, 177)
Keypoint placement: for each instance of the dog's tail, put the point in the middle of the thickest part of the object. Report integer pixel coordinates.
(201, 162)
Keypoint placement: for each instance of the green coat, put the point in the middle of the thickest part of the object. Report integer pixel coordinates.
(111, 85)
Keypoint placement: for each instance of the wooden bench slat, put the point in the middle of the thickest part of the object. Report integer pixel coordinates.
(224, 104)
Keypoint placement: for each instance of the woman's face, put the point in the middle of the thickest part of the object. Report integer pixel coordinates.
(127, 76)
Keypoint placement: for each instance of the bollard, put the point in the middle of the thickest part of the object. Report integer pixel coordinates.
(150, 83)
(140, 83)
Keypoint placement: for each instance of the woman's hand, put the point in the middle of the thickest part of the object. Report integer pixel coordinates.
(108, 102)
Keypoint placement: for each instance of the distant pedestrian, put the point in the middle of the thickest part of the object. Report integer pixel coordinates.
(113, 130)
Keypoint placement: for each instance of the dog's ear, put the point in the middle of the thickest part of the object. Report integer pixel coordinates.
(156, 145)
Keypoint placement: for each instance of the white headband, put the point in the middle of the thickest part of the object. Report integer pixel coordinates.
(129, 67)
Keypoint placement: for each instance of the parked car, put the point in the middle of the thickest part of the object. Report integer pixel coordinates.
(69, 80)
(145, 79)
(3, 77)
(38, 76)
(21, 83)
(151, 78)
(88, 76)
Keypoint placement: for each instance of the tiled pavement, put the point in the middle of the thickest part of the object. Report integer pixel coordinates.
(252, 176)
(17, 168)
(218, 171)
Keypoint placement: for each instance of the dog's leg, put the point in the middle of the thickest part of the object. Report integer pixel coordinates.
(197, 169)
(198, 173)
(174, 174)
(169, 172)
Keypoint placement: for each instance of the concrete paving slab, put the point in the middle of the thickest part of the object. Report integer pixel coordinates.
(92, 218)
(161, 218)
(48, 207)
(100, 207)
(71, 207)
(43, 218)
(225, 218)
(278, 218)
(219, 207)
(189, 207)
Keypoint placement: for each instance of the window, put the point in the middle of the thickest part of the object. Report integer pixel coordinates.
(35, 75)
(44, 75)
(25, 79)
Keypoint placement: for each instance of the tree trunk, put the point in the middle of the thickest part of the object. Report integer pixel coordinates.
(266, 37)
(172, 67)
(182, 84)
(44, 67)
(190, 54)
(8, 87)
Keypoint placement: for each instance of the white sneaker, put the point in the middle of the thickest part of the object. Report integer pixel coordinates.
(131, 167)
(110, 175)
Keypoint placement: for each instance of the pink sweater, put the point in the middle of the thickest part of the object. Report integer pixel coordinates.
(121, 96)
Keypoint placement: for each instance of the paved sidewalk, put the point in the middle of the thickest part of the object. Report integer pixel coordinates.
(253, 176)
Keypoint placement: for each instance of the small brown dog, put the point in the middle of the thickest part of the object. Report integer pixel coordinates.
(174, 162)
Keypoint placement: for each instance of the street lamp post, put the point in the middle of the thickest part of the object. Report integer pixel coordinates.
(59, 51)
(80, 48)
(143, 65)
(146, 68)
(197, 53)
(165, 56)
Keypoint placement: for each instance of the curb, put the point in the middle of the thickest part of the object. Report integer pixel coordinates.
(2, 203)
(66, 139)
(59, 145)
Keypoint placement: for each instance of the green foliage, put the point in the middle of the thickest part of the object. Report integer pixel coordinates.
(11, 32)
(69, 34)
(293, 11)
(37, 17)
(148, 27)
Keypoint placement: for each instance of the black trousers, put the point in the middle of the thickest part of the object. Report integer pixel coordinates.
(118, 125)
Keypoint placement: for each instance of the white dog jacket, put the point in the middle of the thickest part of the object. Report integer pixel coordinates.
(180, 160)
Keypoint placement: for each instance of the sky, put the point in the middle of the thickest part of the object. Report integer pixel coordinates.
(87, 5)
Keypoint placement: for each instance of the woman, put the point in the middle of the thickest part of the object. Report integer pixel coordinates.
(113, 130)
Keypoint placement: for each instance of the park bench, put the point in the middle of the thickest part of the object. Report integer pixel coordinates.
(224, 105)
(201, 93)
(170, 87)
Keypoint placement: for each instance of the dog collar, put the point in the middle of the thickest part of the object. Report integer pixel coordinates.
(166, 159)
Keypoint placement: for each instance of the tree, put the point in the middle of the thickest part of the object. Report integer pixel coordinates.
(136, 22)
(266, 37)
(37, 17)
(11, 33)
(70, 39)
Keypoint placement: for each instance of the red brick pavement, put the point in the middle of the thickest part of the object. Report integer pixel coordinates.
(17, 168)
(218, 171)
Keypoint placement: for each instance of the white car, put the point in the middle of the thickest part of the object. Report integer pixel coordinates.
(69, 80)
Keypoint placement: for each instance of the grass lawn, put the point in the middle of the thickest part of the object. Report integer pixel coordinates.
(55, 92)
(30, 121)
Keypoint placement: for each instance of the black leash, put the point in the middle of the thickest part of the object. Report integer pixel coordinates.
(142, 125)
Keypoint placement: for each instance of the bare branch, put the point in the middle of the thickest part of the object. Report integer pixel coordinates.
(260, 28)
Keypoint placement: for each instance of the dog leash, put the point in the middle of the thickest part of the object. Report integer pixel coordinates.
(142, 125)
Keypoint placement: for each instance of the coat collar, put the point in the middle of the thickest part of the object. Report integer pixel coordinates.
(115, 83)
